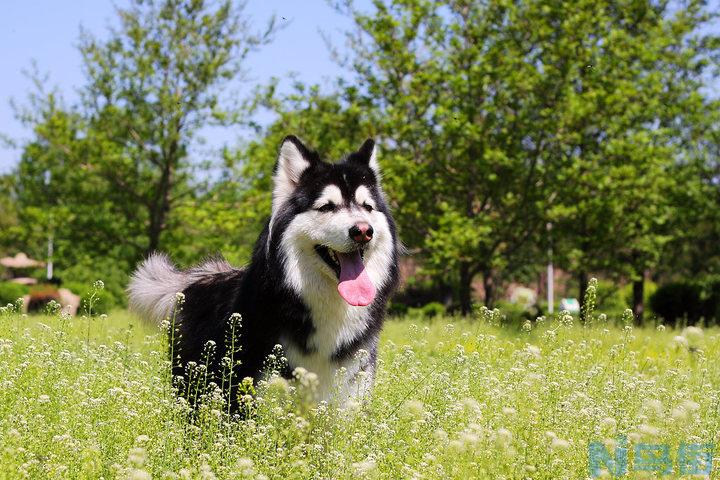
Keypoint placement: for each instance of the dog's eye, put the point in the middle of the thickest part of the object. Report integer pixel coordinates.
(328, 207)
(367, 207)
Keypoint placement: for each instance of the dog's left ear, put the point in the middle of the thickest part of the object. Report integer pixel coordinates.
(367, 155)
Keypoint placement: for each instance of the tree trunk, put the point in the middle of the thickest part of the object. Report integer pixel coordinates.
(582, 284)
(489, 287)
(154, 232)
(638, 306)
(161, 201)
(465, 289)
(158, 215)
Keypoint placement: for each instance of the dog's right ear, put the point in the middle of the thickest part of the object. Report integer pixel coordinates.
(293, 160)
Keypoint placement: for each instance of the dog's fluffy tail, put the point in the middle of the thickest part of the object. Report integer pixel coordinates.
(153, 288)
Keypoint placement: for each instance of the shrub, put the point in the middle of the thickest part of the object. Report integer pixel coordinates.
(677, 301)
(397, 309)
(433, 309)
(611, 297)
(87, 270)
(711, 299)
(10, 292)
(515, 314)
(419, 292)
(103, 302)
(429, 310)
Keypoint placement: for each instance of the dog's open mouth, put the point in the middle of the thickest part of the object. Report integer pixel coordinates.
(354, 284)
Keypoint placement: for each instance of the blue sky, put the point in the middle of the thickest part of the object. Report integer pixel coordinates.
(46, 31)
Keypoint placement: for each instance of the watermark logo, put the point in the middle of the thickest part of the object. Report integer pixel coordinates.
(690, 458)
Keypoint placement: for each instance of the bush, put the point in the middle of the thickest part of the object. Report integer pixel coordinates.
(419, 292)
(433, 309)
(103, 302)
(677, 301)
(397, 309)
(80, 276)
(611, 297)
(429, 310)
(10, 292)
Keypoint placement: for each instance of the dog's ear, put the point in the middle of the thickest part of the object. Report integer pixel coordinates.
(367, 156)
(293, 160)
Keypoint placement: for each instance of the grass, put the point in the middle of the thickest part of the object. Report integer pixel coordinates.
(454, 398)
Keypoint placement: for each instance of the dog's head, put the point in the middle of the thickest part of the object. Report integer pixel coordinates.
(331, 223)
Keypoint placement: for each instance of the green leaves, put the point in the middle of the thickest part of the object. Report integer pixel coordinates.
(115, 175)
(505, 115)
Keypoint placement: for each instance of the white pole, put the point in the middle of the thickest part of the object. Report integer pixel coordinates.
(50, 255)
(49, 272)
(550, 273)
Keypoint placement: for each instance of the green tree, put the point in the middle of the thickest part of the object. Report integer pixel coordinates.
(502, 115)
(694, 249)
(639, 83)
(116, 175)
(151, 86)
(8, 213)
(120, 162)
(469, 91)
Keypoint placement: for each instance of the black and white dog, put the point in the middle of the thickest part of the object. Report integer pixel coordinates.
(318, 283)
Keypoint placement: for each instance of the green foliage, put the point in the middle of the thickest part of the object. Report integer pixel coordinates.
(80, 277)
(493, 119)
(711, 299)
(503, 116)
(10, 292)
(429, 310)
(626, 293)
(93, 300)
(422, 289)
(688, 301)
(8, 214)
(397, 309)
(110, 176)
(514, 313)
(611, 297)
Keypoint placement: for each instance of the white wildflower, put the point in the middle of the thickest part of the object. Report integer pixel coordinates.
(648, 430)
(609, 423)
(690, 406)
(533, 350)
(414, 409)
(559, 444)
(694, 335)
(680, 341)
(503, 437)
(365, 467)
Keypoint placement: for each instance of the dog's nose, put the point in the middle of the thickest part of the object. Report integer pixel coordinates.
(361, 232)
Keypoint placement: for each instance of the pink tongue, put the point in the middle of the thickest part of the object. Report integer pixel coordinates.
(355, 285)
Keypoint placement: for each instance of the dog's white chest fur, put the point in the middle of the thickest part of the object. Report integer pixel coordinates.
(336, 324)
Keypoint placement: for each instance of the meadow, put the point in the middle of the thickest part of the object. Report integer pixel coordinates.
(90, 397)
